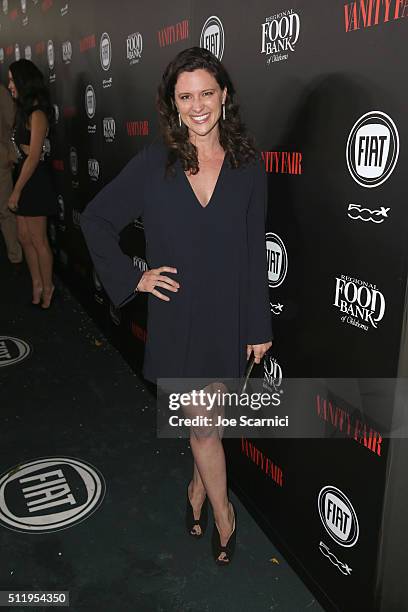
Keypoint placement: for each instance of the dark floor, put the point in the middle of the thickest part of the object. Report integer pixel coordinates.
(75, 397)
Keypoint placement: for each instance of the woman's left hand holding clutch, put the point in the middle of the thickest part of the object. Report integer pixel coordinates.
(259, 350)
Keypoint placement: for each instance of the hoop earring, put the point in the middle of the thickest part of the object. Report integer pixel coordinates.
(179, 119)
(223, 112)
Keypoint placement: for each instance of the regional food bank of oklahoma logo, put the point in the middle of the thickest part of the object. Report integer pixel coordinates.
(280, 33)
(338, 516)
(49, 494)
(372, 149)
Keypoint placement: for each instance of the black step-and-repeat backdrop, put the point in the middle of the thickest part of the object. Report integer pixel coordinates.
(323, 88)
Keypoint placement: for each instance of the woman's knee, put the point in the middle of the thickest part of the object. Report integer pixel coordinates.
(23, 235)
(40, 242)
(204, 435)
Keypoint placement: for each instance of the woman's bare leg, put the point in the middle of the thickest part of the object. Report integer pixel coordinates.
(31, 257)
(209, 461)
(38, 230)
(196, 494)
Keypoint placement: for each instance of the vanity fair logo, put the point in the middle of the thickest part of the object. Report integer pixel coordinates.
(277, 259)
(1, 55)
(173, 33)
(64, 10)
(5, 7)
(90, 101)
(66, 51)
(27, 52)
(280, 33)
(105, 51)
(87, 43)
(93, 169)
(17, 53)
(50, 54)
(212, 36)
(269, 468)
(338, 516)
(366, 13)
(272, 374)
(361, 303)
(372, 149)
(350, 423)
(13, 350)
(282, 162)
(109, 129)
(134, 48)
(137, 128)
(358, 212)
(49, 494)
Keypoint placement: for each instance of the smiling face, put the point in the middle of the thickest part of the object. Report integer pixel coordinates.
(199, 100)
(11, 85)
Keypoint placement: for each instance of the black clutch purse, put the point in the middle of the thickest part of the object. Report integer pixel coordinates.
(245, 379)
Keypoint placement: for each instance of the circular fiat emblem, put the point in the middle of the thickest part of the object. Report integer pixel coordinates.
(212, 36)
(277, 259)
(90, 101)
(50, 54)
(105, 51)
(372, 149)
(13, 350)
(49, 494)
(338, 516)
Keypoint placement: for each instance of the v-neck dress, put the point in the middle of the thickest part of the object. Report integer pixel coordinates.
(219, 253)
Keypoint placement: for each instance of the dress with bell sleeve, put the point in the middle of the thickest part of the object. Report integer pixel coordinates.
(114, 207)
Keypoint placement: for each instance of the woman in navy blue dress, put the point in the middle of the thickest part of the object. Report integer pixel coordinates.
(202, 195)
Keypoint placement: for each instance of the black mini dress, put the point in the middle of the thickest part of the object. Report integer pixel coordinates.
(38, 197)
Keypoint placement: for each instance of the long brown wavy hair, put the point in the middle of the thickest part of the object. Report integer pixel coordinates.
(235, 141)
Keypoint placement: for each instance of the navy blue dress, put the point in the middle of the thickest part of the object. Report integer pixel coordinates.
(219, 252)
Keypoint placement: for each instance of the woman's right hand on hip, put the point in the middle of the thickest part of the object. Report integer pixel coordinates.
(154, 278)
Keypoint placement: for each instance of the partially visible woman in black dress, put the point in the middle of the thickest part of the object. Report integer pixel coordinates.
(202, 195)
(33, 197)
